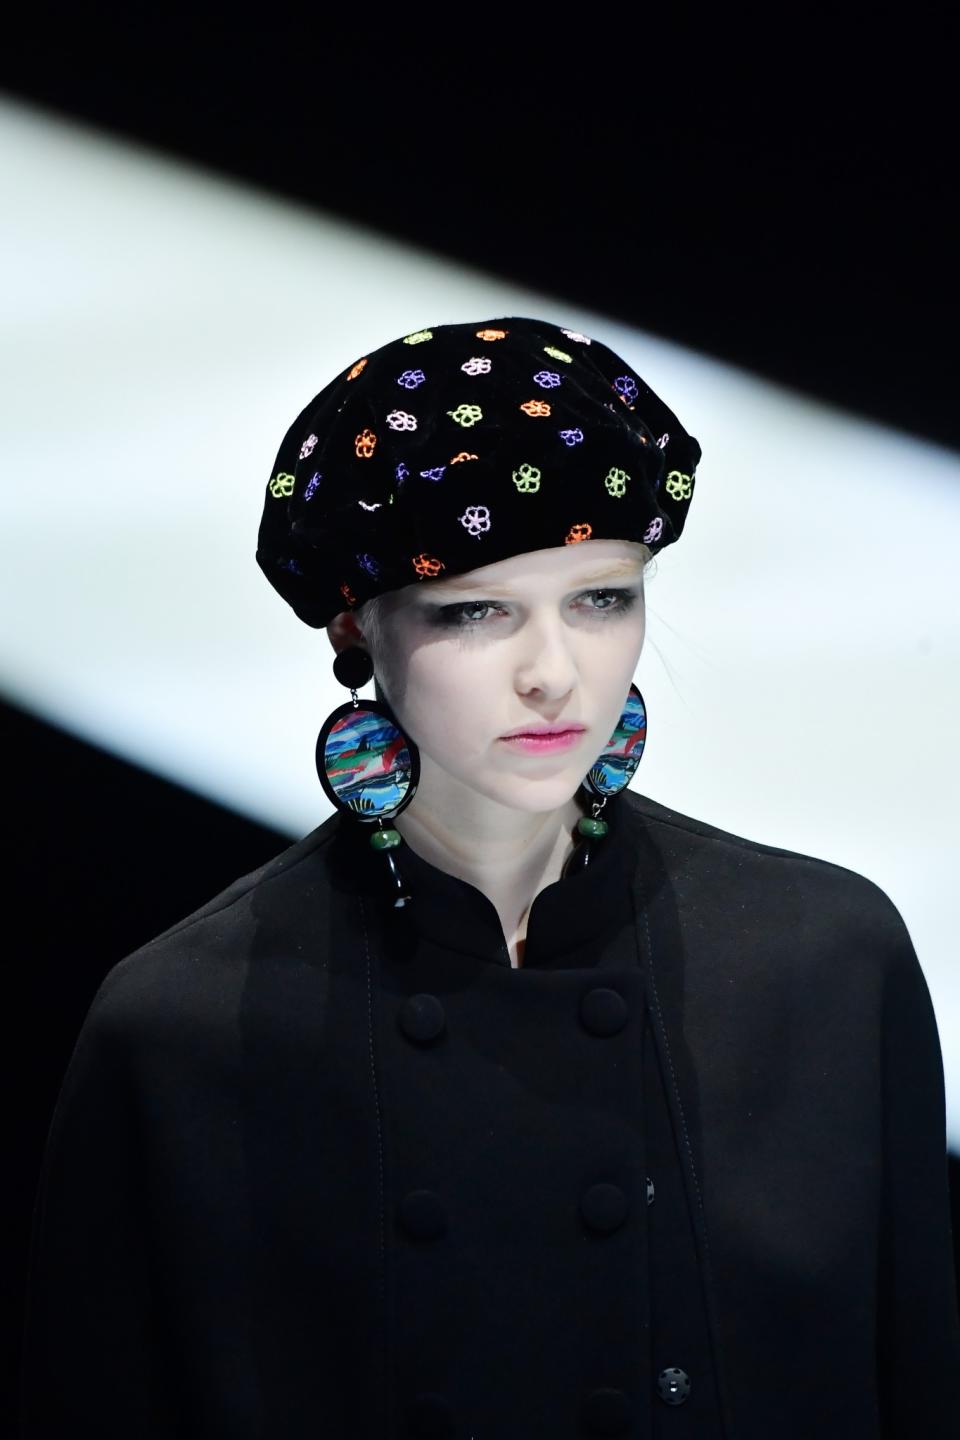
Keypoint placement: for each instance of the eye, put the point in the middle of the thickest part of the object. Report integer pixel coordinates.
(457, 615)
(464, 617)
(621, 600)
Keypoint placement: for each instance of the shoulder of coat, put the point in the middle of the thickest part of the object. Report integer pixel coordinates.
(193, 965)
(684, 837)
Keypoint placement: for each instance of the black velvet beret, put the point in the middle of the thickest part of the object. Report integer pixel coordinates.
(460, 445)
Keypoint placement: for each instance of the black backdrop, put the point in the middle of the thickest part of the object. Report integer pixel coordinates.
(773, 189)
(779, 192)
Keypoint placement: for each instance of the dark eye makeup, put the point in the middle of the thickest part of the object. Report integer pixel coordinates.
(456, 617)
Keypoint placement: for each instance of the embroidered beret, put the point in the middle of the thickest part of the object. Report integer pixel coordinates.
(460, 445)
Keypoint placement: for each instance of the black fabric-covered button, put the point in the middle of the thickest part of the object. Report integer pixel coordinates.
(421, 1017)
(430, 1414)
(604, 1207)
(422, 1214)
(606, 1412)
(649, 1191)
(673, 1385)
(603, 1011)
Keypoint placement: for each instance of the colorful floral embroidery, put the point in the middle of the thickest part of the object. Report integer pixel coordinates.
(616, 482)
(679, 486)
(281, 485)
(401, 420)
(475, 519)
(527, 479)
(410, 379)
(466, 414)
(425, 565)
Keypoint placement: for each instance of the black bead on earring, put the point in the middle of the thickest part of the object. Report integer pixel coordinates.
(367, 766)
(610, 773)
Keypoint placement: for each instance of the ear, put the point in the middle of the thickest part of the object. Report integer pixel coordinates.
(343, 630)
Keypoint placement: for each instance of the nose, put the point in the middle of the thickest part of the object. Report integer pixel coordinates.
(547, 661)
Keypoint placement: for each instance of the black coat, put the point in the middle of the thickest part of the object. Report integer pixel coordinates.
(321, 1167)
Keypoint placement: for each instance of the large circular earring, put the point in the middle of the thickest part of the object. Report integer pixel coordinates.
(368, 768)
(610, 773)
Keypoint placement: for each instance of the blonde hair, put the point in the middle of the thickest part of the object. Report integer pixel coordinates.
(369, 617)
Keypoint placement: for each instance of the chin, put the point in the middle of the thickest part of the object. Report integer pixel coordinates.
(543, 798)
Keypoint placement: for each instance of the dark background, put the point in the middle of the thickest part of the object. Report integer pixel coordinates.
(777, 190)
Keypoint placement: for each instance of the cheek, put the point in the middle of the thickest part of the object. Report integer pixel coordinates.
(618, 648)
(451, 701)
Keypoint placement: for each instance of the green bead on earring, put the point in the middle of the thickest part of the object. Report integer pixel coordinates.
(610, 773)
(592, 826)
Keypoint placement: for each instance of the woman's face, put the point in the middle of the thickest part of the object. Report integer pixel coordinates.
(541, 638)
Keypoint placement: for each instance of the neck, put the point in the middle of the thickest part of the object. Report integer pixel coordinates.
(509, 856)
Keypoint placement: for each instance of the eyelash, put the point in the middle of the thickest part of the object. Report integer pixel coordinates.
(451, 615)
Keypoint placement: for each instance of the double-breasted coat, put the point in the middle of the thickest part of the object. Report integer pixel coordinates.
(323, 1167)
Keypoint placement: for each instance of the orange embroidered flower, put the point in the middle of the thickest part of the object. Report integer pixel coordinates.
(425, 565)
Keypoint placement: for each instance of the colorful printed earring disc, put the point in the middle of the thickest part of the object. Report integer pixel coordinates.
(615, 768)
(367, 763)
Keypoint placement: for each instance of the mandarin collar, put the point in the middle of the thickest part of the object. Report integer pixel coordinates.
(569, 919)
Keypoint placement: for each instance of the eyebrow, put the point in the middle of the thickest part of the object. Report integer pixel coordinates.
(612, 572)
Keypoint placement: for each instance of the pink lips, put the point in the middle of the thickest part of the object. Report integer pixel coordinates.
(544, 743)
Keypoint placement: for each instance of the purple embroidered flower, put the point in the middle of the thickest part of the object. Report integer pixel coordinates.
(410, 379)
(368, 563)
(627, 387)
(312, 484)
(572, 437)
(653, 531)
(547, 379)
(436, 472)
